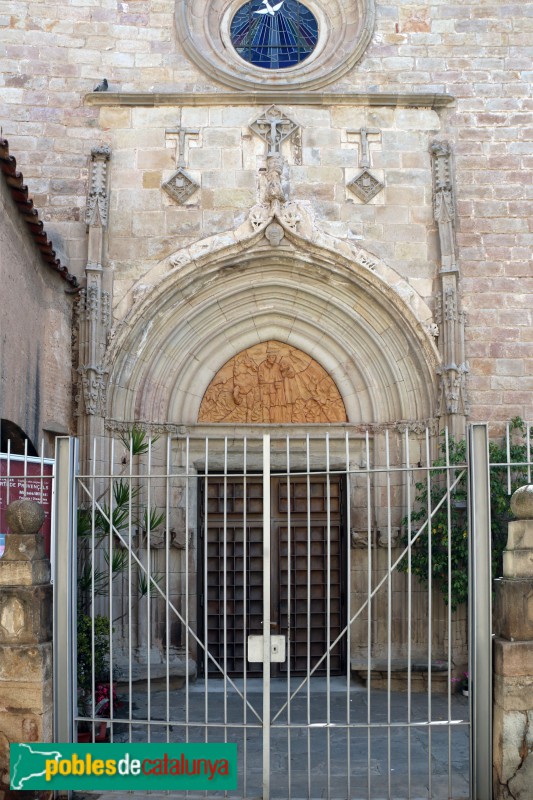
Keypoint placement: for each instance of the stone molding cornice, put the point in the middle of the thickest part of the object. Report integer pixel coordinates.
(292, 97)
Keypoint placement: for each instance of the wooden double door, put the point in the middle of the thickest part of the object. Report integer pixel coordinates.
(308, 568)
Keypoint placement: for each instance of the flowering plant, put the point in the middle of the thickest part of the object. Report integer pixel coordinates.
(462, 681)
(102, 700)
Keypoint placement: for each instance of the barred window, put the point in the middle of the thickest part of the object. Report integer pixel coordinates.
(274, 34)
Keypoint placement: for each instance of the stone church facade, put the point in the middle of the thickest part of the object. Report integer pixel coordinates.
(367, 206)
(345, 240)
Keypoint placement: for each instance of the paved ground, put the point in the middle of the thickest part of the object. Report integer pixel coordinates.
(381, 762)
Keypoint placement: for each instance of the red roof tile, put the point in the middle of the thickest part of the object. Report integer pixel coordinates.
(19, 192)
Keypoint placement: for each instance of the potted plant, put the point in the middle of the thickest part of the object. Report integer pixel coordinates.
(92, 642)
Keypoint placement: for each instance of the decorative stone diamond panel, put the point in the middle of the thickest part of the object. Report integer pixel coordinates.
(180, 186)
(365, 186)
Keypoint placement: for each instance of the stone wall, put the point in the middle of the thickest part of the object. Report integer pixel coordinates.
(26, 701)
(478, 52)
(35, 343)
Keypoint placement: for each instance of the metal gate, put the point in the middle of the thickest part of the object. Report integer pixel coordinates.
(192, 605)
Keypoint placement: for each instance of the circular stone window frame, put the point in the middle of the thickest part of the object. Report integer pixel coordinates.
(345, 28)
(322, 37)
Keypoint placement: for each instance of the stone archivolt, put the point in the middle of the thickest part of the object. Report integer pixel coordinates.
(273, 383)
(233, 291)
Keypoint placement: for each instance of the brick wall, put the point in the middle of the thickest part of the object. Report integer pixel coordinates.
(35, 333)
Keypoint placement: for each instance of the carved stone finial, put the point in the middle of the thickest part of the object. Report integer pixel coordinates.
(443, 194)
(97, 200)
(101, 151)
(25, 517)
(522, 502)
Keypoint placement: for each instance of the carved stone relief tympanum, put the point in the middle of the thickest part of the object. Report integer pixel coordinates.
(272, 382)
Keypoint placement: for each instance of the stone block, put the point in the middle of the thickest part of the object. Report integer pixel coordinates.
(27, 727)
(25, 698)
(513, 609)
(115, 117)
(24, 548)
(520, 536)
(514, 693)
(518, 564)
(26, 662)
(25, 615)
(509, 732)
(24, 573)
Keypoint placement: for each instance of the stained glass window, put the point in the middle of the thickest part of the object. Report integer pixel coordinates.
(274, 34)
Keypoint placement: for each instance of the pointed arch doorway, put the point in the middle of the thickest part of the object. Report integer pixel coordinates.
(276, 384)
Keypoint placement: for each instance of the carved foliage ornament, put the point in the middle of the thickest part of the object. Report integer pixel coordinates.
(273, 383)
(97, 200)
(93, 383)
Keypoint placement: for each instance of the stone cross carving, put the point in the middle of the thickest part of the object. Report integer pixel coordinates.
(180, 136)
(365, 185)
(364, 133)
(273, 126)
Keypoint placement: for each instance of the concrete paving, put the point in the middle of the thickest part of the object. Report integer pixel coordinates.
(309, 760)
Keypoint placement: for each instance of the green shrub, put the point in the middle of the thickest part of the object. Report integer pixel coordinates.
(454, 514)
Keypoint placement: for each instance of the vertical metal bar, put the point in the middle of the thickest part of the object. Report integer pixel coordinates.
(308, 621)
(205, 590)
(449, 615)
(289, 609)
(130, 598)
(167, 590)
(64, 615)
(389, 614)
(369, 620)
(266, 617)
(111, 538)
(409, 611)
(328, 619)
(244, 614)
(25, 484)
(225, 588)
(430, 610)
(92, 563)
(480, 605)
(187, 712)
(508, 446)
(8, 472)
(348, 487)
(149, 593)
